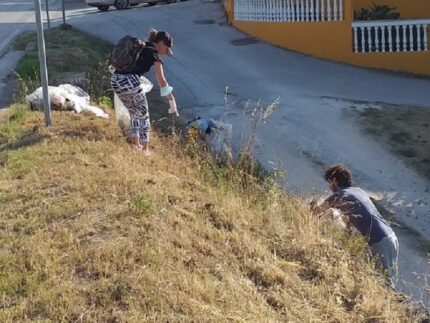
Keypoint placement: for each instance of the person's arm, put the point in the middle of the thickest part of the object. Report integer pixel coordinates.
(319, 209)
(161, 79)
(159, 73)
(327, 204)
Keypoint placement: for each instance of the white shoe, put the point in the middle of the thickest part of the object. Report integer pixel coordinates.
(146, 152)
(136, 147)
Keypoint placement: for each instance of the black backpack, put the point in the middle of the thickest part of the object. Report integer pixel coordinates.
(125, 54)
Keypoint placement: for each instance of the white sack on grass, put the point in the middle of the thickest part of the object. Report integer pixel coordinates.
(66, 96)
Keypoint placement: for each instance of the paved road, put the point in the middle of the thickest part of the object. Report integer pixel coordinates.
(17, 16)
(309, 129)
(13, 16)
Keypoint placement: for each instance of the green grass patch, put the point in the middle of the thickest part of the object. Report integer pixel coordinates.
(68, 50)
(139, 204)
(10, 127)
(28, 67)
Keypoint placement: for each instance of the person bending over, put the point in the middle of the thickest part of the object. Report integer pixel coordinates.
(360, 211)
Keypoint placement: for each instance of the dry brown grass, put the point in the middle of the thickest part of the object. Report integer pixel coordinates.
(92, 231)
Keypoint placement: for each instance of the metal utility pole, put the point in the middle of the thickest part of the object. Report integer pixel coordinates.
(47, 14)
(42, 61)
(64, 12)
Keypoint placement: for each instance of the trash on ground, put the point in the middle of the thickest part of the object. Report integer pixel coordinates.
(216, 134)
(65, 97)
(333, 217)
(219, 140)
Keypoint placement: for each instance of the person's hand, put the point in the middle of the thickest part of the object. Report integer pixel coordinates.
(313, 204)
(173, 108)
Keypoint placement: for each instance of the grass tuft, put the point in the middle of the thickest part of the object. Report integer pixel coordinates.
(139, 204)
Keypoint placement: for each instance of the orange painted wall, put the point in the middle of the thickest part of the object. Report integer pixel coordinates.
(408, 9)
(333, 41)
(307, 38)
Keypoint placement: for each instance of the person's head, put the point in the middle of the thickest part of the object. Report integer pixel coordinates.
(162, 41)
(337, 177)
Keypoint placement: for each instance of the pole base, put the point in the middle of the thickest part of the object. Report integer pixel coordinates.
(66, 26)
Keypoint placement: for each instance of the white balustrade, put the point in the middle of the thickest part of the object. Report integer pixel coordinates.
(288, 10)
(391, 35)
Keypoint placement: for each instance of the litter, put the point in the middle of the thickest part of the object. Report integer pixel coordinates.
(219, 141)
(65, 97)
(122, 116)
(216, 134)
(334, 218)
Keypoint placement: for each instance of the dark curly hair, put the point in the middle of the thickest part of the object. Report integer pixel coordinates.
(340, 174)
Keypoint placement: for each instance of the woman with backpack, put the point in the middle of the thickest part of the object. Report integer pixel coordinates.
(130, 60)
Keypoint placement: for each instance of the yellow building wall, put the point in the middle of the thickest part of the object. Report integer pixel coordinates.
(304, 37)
(333, 41)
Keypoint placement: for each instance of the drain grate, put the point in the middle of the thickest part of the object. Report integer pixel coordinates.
(205, 22)
(244, 41)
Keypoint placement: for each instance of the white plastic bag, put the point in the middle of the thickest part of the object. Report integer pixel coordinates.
(122, 116)
(66, 96)
(333, 217)
(219, 140)
(146, 84)
(35, 99)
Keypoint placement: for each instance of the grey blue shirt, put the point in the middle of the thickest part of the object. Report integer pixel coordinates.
(361, 212)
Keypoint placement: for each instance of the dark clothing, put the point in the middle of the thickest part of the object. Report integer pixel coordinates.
(361, 212)
(147, 58)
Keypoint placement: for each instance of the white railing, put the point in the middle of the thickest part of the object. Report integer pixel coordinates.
(288, 10)
(391, 36)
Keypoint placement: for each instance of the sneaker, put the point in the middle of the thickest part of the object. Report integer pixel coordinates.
(146, 153)
(136, 147)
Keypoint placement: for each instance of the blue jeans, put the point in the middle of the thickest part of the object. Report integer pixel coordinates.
(387, 251)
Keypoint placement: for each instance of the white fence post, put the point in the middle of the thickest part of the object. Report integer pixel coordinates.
(426, 39)
(391, 35)
(288, 10)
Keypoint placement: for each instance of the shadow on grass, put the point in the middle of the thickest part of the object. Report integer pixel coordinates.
(27, 140)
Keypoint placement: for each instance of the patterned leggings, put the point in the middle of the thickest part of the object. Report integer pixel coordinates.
(129, 90)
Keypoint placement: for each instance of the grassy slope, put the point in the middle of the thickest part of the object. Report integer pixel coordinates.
(92, 230)
(67, 51)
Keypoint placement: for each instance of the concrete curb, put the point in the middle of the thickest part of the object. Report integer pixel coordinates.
(5, 44)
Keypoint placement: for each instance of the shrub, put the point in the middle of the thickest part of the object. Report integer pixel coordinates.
(377, 12)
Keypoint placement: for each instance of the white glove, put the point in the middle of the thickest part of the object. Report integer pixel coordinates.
(173, 107)
(165, 91)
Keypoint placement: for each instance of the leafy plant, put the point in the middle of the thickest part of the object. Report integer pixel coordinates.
(377, 12)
